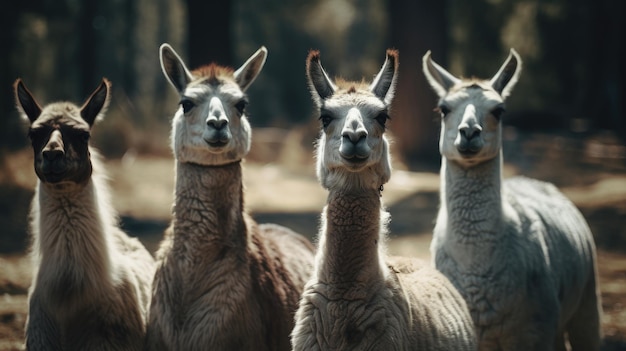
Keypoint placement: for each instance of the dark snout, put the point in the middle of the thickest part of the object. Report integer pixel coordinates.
(218, 132)
(469, 140)
(53, 163)
(354, 146)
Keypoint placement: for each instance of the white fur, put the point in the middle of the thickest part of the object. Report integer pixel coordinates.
(519, 252)
(91, 282)
(76, 243)
(359, 298)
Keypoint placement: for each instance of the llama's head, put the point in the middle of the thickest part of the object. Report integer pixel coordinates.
(210, 126)
(60, 132)
(471, 110)
(352, 151)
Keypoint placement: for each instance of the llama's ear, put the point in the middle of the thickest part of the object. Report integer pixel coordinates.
(438, 78)
(174, 68)
(321, 86)
(247, 73)
(504, 81)
(97, 103)
(26, 103)
(383, 85)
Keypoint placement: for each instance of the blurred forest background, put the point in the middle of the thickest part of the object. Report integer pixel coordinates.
(572, 80)
(565, 121)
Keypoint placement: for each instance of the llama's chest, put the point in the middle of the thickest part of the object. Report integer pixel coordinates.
(330, 322)
(490, 295)
(194, 310)
(502, 296)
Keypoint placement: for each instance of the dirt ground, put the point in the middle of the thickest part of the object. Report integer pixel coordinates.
(282, 188)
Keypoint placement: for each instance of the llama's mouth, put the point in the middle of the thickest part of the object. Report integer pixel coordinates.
(355, 158)
(468, 153)
(53, 172)
(469, 147)
(217, 139)
(53, 177)
(355, 163)
(216, 144)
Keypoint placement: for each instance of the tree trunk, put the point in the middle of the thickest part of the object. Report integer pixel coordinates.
(416, 27)
(209, 32)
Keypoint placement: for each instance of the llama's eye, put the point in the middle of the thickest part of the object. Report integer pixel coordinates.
(326, 119)
(382, 118)
(36, 133)
(443, 109)
(241, 106)
(187, 105)
(498, 112)
(84, 136)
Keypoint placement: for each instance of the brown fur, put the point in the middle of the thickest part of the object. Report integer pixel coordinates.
(224, 282)
(213, 73)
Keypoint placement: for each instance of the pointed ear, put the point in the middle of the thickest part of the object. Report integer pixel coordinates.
(247, 73)
(174, 68)
(26, 103)
(320, 85)
(383, 85)
(96, 104)
(438, 78)
(504, 81)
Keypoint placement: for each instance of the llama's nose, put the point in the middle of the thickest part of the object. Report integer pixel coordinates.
(470, 131)
(54, 148)
(217, 123)
(354, 131)
(51, 155)
(354, 136)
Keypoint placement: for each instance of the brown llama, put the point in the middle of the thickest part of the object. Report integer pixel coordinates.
(358, 297)
(91, 282)
(223, 282)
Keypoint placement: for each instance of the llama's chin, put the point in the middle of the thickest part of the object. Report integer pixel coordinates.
(355, 164)
(63, 186)
(469, 159)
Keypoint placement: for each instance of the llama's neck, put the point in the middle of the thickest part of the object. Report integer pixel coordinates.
(350, 248)
(72, 240)
(208, 208)
(471, 201)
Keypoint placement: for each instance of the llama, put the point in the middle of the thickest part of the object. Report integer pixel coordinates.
(358, 298)
(223, 282)
(519, 252)
(91, 283)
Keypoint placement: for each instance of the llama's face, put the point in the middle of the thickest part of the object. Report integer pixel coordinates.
(352, 151)
(210, 126)
(471, 110)
(470, 124)
(59, 133)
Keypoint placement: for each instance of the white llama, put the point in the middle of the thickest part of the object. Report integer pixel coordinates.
(223, 282)
(519, 252)
(91, 283)
(358, 298)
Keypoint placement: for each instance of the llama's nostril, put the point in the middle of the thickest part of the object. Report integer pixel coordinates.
(470, 132)
(355, 137)
(54, 154)
(217, 123)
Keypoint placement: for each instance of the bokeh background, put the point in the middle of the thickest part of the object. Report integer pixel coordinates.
(565, 123)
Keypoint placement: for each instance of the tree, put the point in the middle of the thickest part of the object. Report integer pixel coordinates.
(209, 34)
(416, 27)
